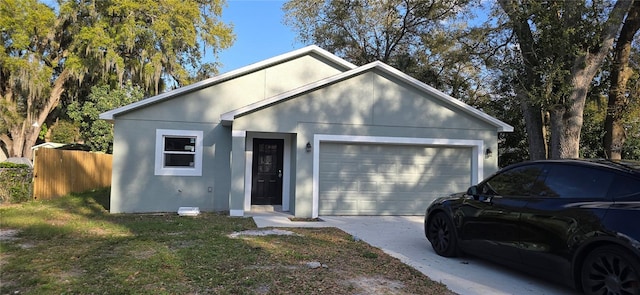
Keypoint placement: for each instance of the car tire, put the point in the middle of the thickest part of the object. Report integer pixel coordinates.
(442, 235)
(611, 270)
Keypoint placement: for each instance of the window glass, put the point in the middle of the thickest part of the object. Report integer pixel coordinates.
(569, 181)
(623, 186)
(178, 152)
(519, 181)
(179, 144)
(178, 160)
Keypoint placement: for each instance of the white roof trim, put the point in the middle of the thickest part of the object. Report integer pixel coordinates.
(109, 115)
(227, 118)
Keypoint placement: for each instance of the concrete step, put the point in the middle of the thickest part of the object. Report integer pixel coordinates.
(266, 208)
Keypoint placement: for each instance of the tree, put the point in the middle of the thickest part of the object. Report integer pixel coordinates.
(64, 131)
(593, 130)
(51, 54)
(415, 36)
(24, 80)
(96, 133)
(619, 95)
(562, 46)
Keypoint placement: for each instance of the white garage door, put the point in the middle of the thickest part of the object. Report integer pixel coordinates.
(366, 179)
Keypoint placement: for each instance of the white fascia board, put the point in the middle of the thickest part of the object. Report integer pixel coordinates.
(227, 118)
(109, 115)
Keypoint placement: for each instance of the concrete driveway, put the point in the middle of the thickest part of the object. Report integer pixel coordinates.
(403, 237)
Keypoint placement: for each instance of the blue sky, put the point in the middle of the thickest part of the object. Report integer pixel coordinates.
(260, 33)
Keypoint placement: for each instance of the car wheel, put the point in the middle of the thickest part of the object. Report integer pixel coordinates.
(442, 235)
(611, 270)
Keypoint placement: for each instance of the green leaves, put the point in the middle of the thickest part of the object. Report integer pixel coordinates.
(56, 54)
(98, 134)
(417, 37)
(145, 40)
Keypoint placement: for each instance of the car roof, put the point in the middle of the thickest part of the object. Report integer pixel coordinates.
(625, 166)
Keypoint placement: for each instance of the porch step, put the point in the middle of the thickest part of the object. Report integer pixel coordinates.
(266, 208)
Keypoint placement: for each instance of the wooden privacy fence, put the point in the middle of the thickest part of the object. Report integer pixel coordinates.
(60, 172)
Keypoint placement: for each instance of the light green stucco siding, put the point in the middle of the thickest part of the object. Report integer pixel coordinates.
(135, 188)
(371, 104)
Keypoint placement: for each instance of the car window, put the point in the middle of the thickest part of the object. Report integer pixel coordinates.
(518, 181)
(623, 186)
(571, 181)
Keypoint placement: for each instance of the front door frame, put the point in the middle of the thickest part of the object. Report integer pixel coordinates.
(286, 173)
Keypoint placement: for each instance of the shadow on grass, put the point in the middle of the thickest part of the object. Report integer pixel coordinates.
(102, 197)
(73, 242)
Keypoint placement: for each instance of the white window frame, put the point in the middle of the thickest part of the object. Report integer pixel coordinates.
(160, 168)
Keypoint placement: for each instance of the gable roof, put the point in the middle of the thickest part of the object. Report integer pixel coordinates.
(227, 118)
(109, 115)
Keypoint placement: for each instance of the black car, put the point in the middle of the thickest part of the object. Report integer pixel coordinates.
(576, 221)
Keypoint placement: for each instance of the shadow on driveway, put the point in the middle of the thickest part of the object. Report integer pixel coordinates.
(403, 237)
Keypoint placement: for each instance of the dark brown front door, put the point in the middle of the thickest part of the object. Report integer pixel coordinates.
(266, 188)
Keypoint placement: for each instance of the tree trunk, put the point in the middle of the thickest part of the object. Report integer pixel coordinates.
(535, 130)
(7, 144)
(556, 124)
(17, 142)
(24, 134)
(566, 120)
(584, 68)
(23, 138)
(566, 125)
(615, 135)
(536, 135)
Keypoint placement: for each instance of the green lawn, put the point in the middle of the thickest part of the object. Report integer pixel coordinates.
(72, 245)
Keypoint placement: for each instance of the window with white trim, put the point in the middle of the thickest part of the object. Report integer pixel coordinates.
(178, 152)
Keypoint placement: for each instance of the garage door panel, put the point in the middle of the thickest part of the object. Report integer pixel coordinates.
(346, 186)
(338, 207)
(391, 205)
(365, 179)
(396, 187)
(328, 188)
(368, 168)
(368, 186)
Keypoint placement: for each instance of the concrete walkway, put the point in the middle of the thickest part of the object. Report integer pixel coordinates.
(403, 237)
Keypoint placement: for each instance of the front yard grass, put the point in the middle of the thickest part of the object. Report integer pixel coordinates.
(72, 245)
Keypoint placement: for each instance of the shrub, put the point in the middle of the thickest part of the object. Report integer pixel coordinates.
(64, 132)
(12, 165)
(15, 183)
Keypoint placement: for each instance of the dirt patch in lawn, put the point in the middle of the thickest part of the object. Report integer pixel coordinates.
(329, 261)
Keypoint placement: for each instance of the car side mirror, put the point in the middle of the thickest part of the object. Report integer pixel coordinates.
(473, 190)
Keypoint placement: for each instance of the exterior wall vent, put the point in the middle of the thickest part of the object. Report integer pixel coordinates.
(189, 211)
